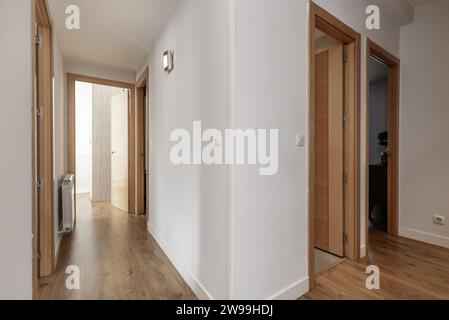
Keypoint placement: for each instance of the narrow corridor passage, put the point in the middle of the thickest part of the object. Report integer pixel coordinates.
(117, 257)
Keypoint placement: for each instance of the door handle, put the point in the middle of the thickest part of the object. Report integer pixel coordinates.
(386, 153)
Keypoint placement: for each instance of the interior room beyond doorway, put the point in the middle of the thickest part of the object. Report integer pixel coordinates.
(102, 143)
(378, 151)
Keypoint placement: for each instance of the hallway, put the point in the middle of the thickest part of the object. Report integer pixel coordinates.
(409, 270)
(117, 257)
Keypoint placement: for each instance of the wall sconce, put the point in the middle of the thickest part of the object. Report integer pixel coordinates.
(168, 61)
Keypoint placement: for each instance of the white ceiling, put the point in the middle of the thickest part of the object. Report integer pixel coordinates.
(115, 33)
(416, 3)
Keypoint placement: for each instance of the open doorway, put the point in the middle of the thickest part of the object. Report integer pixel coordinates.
(102, 144)
(329, 149)
(99, 134)
(142, 145)
(334, 227)
(378, 151)
(382, 140)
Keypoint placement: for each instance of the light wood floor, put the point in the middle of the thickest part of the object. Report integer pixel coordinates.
(117, 258)
(409, 269)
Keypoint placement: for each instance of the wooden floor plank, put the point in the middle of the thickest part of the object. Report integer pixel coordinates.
(410, 270)
(117, 257)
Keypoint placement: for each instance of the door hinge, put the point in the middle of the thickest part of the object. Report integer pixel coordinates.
(345, 238)
(39, 41)
(345, 57)
(38, 256)
(345, 118)
(40, 113)
(345, 178)
(40, 184)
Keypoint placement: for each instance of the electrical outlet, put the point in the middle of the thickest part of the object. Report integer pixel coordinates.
(438, 220)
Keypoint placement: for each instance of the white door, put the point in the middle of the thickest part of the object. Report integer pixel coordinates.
(119, 151)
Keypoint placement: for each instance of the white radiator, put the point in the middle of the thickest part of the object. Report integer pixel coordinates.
(68, 203)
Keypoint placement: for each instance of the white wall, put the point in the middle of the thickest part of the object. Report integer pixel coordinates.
(59, 136)
(188, 204)
(424, 129)
(83, 100)
(270, 216)
(15, 143)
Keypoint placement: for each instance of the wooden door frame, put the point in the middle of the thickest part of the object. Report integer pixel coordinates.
(42, 217)
(326, 22)
(393, 63)
(141, 148)
(71, 126)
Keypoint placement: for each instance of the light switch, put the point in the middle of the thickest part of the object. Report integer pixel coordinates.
(300, 140)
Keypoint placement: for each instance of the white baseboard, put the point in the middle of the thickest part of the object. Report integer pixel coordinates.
(362, 251)
(293, 291)
(425, 237)
(82, 190)
(190, 279)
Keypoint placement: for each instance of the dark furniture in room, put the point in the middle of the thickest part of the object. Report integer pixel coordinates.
(378, 181)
